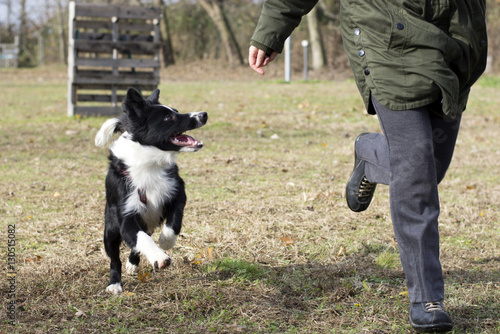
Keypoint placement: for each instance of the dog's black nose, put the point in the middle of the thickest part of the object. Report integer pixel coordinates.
(202, 117)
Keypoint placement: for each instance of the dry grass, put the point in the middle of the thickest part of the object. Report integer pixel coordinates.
(268, 244)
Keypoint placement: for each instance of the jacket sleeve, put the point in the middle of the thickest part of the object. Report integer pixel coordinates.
(277, 21)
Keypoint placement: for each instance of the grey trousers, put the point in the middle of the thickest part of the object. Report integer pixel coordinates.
(412, 157)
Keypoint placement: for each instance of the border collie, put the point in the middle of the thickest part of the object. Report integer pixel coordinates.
(143, 186)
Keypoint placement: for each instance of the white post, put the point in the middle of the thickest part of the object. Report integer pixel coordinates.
(114, 71)
(71, 59)
(288, 59)
(41, 53)
(305, 45)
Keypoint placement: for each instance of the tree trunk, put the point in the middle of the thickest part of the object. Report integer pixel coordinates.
(166, 41)
(317, 50)
(10, 26)
(23, 56)
(214, 10)
(63, 47)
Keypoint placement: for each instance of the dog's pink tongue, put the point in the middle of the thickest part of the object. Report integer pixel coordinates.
(185, 140)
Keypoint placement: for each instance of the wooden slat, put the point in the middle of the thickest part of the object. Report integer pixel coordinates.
(108, 46)
(122, 11)
(98, 98)
(106, 25)
(108, 37)
(133, 80)
(109, 62)
(119, 75)
(94, 24)
(98, 111)
(96, 86)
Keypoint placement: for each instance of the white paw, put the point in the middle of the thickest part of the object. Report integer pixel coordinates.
(114, 288)
(130, 268)
(159, 260)
(146, 246)
(167, 238)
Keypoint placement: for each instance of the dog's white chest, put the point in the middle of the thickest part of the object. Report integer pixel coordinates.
(147, 173)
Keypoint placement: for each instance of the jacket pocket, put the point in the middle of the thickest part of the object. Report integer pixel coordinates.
(410, 33)
(399, 31)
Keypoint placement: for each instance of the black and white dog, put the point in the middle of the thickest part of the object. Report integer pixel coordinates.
(143, 186)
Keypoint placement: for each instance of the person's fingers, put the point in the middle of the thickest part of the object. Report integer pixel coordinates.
(261, 56)
(273, 55)
(256, 59)
(270, 58)
(252, 55)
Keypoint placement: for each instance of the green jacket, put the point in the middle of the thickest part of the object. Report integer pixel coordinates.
(407, 53)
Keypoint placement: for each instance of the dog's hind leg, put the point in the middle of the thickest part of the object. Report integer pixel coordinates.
(112, 241)
(132, 265)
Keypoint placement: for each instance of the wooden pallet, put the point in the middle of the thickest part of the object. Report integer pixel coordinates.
(111, 48)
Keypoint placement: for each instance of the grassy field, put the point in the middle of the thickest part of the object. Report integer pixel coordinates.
(268, 244)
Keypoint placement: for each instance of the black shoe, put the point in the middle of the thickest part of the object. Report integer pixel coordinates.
(359, 192)
(430, 317)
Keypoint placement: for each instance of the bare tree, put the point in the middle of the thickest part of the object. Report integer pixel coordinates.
(215, 11)
(8, 4)
(317, 49)
(63, 46)
(166, 40)
(23, 38)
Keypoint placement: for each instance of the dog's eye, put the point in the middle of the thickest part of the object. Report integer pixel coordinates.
(169, 117)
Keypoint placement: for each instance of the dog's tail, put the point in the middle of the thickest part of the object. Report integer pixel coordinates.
(106, 132)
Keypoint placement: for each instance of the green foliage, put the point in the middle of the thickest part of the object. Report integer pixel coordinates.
(489, 81)
(388, 259)
(238, 270)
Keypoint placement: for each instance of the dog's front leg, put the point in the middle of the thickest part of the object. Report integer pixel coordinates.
(172, 226)
(140, 242)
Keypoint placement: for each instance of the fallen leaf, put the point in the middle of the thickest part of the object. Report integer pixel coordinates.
(203, 254)
(35, 259)
(56, 194)
(404, 293)
(208, 253)
(130, 294)
(79, 314)
(143, 277)
(341, 251)
(287, 241)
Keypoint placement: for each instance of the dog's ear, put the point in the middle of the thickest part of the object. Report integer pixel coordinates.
(133, 103)
(154, 98)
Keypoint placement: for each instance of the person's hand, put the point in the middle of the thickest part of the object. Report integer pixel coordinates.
(258, 59)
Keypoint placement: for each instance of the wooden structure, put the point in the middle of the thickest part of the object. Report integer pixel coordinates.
(111, 48)
(9, 54)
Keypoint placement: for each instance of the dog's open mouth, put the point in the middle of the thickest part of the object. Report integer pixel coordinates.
(185, 141)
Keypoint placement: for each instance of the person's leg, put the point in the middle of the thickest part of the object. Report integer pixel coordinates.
(414, 199)
(445, 134)
(373, 149)
(412, 157)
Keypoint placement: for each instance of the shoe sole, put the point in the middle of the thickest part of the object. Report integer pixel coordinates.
(357, 161)
(443, 327)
